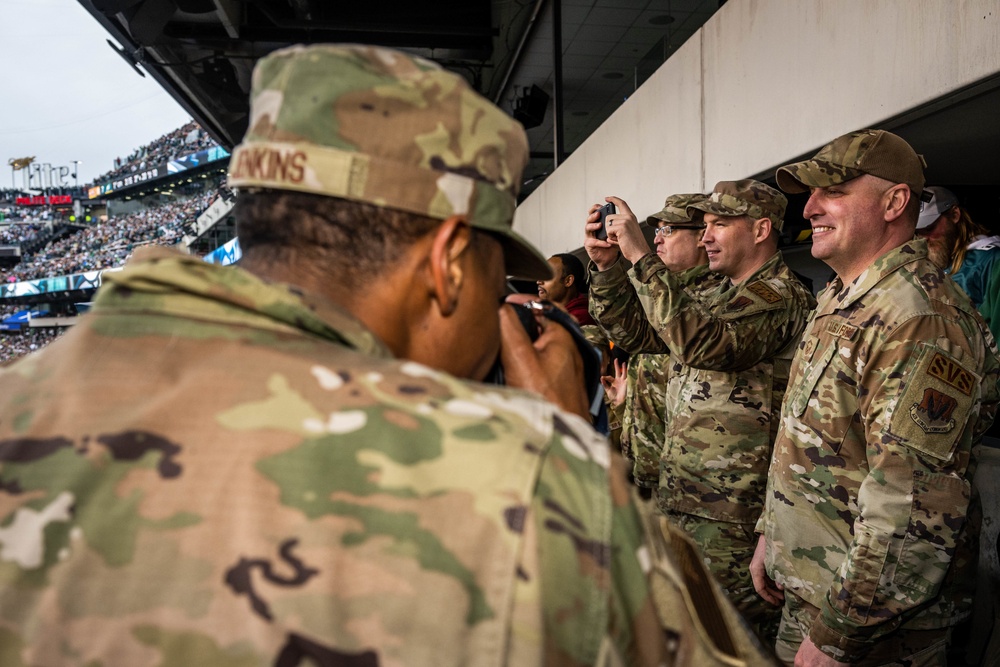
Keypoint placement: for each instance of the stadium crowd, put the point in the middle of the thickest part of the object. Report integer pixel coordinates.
(15, 234)
(14, 344)
(108, 244)
(187, 139)
(26, 213)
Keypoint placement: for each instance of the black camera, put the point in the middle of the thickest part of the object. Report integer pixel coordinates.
(606, 210)
(591, 355)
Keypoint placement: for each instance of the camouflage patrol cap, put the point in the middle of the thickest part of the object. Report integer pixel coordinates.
(375, 125)
(746, 197)
(675, 211)
(875, 152)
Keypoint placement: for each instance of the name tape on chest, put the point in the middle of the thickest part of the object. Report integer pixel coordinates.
(842, 330)
(951, 374)
(765, 292)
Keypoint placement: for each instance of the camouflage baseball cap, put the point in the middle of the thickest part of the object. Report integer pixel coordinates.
(875, 152)
(372, 124)
(746, 197)
(675, 211)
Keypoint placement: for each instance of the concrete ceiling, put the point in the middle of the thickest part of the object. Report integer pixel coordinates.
(203, 51)
(610, 47)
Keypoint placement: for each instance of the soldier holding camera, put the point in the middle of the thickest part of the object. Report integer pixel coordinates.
(729, 348)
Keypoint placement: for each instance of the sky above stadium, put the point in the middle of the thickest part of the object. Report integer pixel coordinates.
(65, 95)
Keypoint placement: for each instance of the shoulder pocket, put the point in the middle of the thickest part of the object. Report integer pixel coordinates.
(934, 403)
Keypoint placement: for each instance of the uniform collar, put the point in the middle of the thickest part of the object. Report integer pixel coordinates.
(164, 280)
(844, 297)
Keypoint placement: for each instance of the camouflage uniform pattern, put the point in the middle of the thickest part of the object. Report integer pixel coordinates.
(675, 210)
(746, 197)
(870, 515)
(875, 152)
(376, 125)
(644, 410)
(727, 549)
(212, 470)
(643, 416)
(729, 349)
(903, 648)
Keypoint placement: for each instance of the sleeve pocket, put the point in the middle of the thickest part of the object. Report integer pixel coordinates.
(934, 403)
(937, 516)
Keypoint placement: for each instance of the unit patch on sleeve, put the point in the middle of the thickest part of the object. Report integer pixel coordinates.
(933, 413)
(937, 395)
(765, 292)
(739, 303)
(951, 373)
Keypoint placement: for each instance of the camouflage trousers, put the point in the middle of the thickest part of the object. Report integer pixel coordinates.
(903, 648)
(727, 549)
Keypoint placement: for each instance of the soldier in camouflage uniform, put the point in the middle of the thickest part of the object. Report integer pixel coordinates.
(730, 347)
(289, 463)
(870, 530)
(676, 242)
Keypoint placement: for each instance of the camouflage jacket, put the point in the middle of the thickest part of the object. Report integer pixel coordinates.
(869, 512)
(643, 416)
(213, 470)
(730, 347)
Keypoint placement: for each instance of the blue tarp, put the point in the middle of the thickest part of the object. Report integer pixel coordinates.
(17, 320)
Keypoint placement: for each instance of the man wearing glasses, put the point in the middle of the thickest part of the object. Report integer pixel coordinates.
(729, 347)
(677, 241)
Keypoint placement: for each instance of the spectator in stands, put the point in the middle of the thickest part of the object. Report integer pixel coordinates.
(107, 245)
(567, 287)
(15, 234)
(965, 250)
(185, 140)
(15, 344)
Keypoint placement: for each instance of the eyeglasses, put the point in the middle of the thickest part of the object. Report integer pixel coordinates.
(667, 230)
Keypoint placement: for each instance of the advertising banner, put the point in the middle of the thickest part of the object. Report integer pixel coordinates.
(173, 167)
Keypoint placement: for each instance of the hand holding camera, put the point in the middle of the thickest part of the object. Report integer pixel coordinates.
(602, 251)
(543, 350)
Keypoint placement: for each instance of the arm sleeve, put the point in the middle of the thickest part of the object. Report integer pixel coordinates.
(581, 565)
(922, 401)
(730, 331)
(616, 308)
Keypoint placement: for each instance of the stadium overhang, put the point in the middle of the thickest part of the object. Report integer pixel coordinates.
(203, 52)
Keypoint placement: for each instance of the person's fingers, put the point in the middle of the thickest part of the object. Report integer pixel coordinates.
(620, 204)
(521, 299)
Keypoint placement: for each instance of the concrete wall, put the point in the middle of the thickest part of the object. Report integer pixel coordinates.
(763, 82)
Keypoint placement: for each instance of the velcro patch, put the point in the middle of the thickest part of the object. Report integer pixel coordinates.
(762, 290)
(937, 396)
(842, 330)
(951, 373)
(739, 303)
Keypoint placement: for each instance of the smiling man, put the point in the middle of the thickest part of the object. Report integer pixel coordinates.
(869, 531)
(730, 349)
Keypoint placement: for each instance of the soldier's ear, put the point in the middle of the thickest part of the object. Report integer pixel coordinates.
(451, 239)
(761, 229)
(896, 199)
